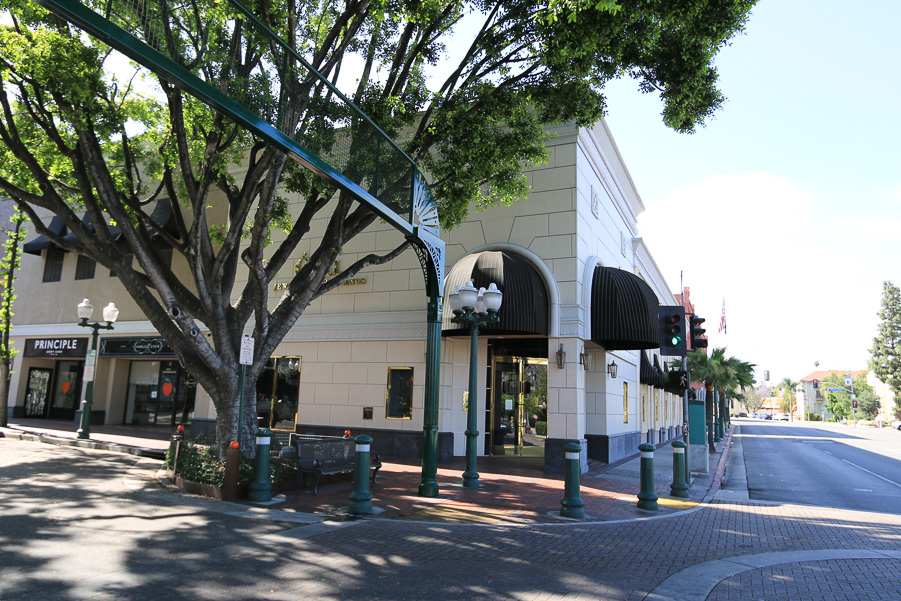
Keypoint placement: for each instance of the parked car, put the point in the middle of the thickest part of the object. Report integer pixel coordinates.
(782, 417)
(742, 414)
(767, 416)
(897, 425)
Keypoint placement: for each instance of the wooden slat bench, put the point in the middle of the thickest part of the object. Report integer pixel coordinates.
(322, 456)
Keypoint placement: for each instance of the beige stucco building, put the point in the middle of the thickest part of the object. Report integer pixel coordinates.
(581, 291)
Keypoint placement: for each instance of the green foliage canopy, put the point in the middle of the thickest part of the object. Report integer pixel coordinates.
(885, 359)
(839, 403)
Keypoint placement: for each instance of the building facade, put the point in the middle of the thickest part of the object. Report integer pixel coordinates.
(574, 356)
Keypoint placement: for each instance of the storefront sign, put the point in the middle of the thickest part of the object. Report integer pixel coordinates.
(135, 347)
(56, 347)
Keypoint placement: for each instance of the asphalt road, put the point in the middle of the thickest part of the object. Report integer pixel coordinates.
(823, 465)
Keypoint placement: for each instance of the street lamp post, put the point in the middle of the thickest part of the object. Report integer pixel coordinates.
(110, 314)
(473, 308)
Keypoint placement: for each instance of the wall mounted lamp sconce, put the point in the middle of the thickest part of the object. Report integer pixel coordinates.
(611, 369)
(561, 357)
(585, 359)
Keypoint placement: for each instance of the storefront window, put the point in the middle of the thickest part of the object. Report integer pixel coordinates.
(159, 393)
(399, 403)
(278, 389)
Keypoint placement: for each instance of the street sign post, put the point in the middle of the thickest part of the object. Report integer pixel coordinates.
(245, 358)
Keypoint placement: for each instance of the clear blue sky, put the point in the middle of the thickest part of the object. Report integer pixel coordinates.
(788, 203)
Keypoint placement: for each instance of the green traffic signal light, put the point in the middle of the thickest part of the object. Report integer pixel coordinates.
(674, 328)
(671, 330)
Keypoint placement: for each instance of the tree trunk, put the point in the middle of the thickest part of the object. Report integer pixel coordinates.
(4, 392)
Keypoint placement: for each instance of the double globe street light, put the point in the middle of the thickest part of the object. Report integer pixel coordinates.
(110, 314)
(473, 308)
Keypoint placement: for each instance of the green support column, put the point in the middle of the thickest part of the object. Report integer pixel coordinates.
(471, 476)
(361, 498)
(428, 487)
(572, 503)
(647, 497)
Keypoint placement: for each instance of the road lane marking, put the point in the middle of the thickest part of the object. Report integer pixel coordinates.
(872, 473)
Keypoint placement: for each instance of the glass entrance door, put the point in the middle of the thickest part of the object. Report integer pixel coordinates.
(64, 400)
(38, 392)
(518, 406)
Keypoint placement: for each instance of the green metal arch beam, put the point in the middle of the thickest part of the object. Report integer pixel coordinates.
(135, 49)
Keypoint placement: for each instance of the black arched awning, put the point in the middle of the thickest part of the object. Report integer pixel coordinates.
(34, 247)
(650, 373)
(623, 311)
(161, 215)
(525, 306)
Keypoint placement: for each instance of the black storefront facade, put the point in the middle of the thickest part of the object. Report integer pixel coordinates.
(53, 369)
(158, 391)
(137, 380)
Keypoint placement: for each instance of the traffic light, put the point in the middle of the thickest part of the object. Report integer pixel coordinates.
(672, 330)
(816, 384)
(854, 403)
(696, 332)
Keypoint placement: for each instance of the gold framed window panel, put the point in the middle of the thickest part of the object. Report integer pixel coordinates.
(399, 396)
(625, 402)
(278, 390)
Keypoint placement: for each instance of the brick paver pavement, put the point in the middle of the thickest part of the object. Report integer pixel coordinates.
(836, 580)
(147, 543)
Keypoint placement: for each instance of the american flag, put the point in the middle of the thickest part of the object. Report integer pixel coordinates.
(722, 329)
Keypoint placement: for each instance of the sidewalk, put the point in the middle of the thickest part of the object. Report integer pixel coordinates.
(513, 490)
(729, 548)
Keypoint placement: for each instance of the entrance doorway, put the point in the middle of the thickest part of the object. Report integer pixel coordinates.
(53, 393)
(518, 406)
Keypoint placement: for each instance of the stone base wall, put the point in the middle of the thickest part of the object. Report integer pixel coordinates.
(699, 458)
(612, 448)
(402, 444)
(555, 456)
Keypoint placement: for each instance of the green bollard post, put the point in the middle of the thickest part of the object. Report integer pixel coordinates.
(360, 498)
(679, 487)
(260, 489)
(647, 497)
(572, 503)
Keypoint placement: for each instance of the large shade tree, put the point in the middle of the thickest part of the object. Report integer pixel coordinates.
(77, 138)
(839, 401)
(885, 354)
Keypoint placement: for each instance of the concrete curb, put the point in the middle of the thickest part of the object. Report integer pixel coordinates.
(720, 468)
(14, 434)
(697, 582)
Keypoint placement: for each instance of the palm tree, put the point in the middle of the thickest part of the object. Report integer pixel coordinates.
(731, 376)
(789, 386)
(712, 371)
(742, 378)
